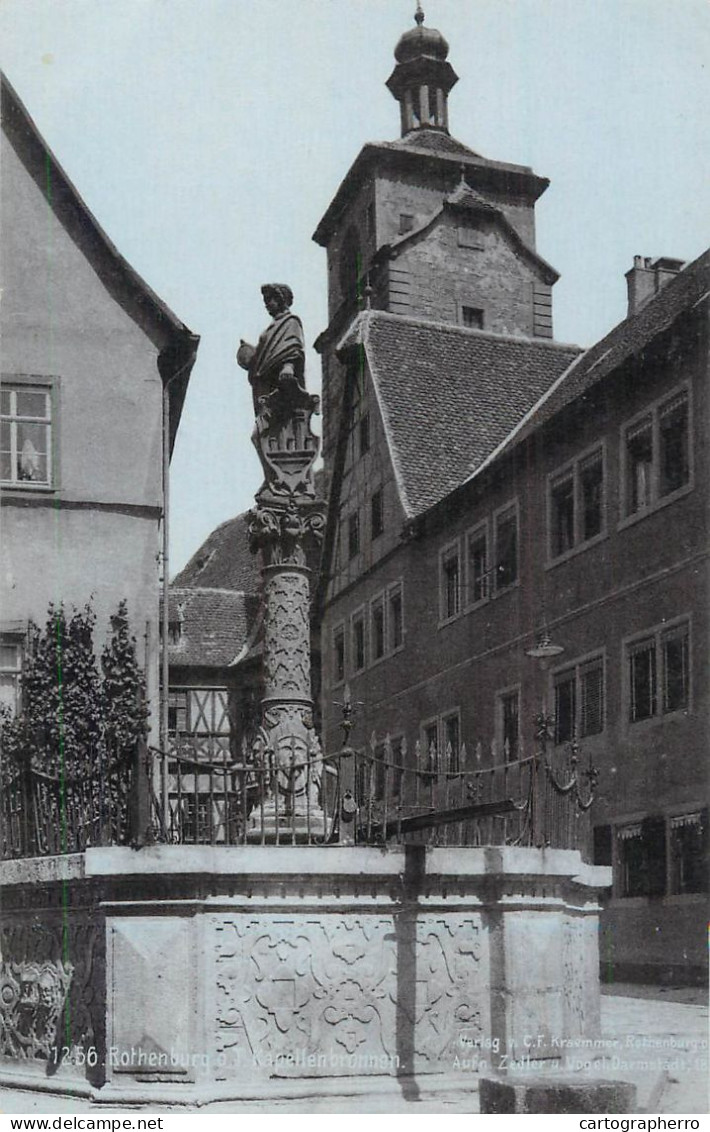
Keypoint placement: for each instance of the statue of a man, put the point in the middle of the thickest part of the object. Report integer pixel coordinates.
(279, 356)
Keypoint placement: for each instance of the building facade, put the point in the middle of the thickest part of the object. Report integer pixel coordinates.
(94, 374)
(489, 486)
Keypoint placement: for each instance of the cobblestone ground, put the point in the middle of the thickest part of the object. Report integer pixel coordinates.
(655, 1037)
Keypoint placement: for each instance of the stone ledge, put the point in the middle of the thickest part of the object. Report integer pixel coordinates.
(555, 1095)
(288, 861)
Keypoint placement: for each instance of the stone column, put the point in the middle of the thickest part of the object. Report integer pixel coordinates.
(286, 527)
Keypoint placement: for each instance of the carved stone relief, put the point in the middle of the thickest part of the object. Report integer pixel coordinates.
(287, 664)
(344, 994)
(51, 990)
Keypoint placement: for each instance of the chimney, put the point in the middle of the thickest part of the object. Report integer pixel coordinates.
(646, 278)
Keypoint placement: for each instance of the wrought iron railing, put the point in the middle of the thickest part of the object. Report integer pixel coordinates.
(373, 796)
(44, 814)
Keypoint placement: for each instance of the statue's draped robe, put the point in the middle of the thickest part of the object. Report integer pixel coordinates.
(280, 343)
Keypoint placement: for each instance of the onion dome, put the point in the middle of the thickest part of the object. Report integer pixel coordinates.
(420, 41)
(422, 78)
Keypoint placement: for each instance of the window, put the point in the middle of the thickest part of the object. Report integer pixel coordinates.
(364, 433)
(641, 850)
(452, 742)
(506, 548)
(591, 489)
(353, 534)
(639, 466)
(177, 712)
(395, 617)
(688, 852)
(380, 772)
(642, 680)
(658, 672)
(674, 457)
(431, 746)
(656, 454)
(406, 222)
(576, 504)
(591, 707)
(565, 710)
(579, 700)
(396, 750)
(472, 317)
(196, 819)
(358, 633)
(469, 237)
(25, 435)
(441, 743)
(450, 602)
(10, 670)
(377, 615)
(477, 565)
(509, 724)
(377, 513)
(674, 657)
(562, 508)
(338, 655)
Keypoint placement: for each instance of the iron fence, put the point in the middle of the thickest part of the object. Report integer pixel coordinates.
(44, 814)
(373, 796)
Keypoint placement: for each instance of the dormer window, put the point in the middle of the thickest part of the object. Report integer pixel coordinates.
(472, 317)
(406, 222)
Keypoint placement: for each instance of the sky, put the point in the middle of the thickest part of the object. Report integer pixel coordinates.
(208, 137)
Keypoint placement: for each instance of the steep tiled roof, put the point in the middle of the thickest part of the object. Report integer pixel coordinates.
(224, 560)
(178, 344)
(214, 625)
(450, 396)
(631, 336)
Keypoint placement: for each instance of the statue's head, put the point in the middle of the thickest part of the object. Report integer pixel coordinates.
(278, 297)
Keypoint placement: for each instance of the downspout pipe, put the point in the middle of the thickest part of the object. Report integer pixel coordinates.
(191, 346)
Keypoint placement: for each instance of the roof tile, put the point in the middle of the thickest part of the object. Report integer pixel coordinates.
(450, 396)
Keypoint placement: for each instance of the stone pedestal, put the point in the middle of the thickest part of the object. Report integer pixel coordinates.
(187, 973)
(549, 1095)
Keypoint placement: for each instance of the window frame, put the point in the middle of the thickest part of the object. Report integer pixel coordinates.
(478, 310)
(438, 724)
(455, 766)
(14, 640)
(50, 384)
(512, 506)
(574, 471)
(501, 696)
(576, 668)
(392, 589)
(658, 634)
(447, 553)
(479, 528)
(378, 601)
(353, 543)
(339, 631)
(358, 616)
(655, 412)
(378, 494)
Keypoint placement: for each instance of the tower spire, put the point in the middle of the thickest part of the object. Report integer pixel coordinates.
(422, 79)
